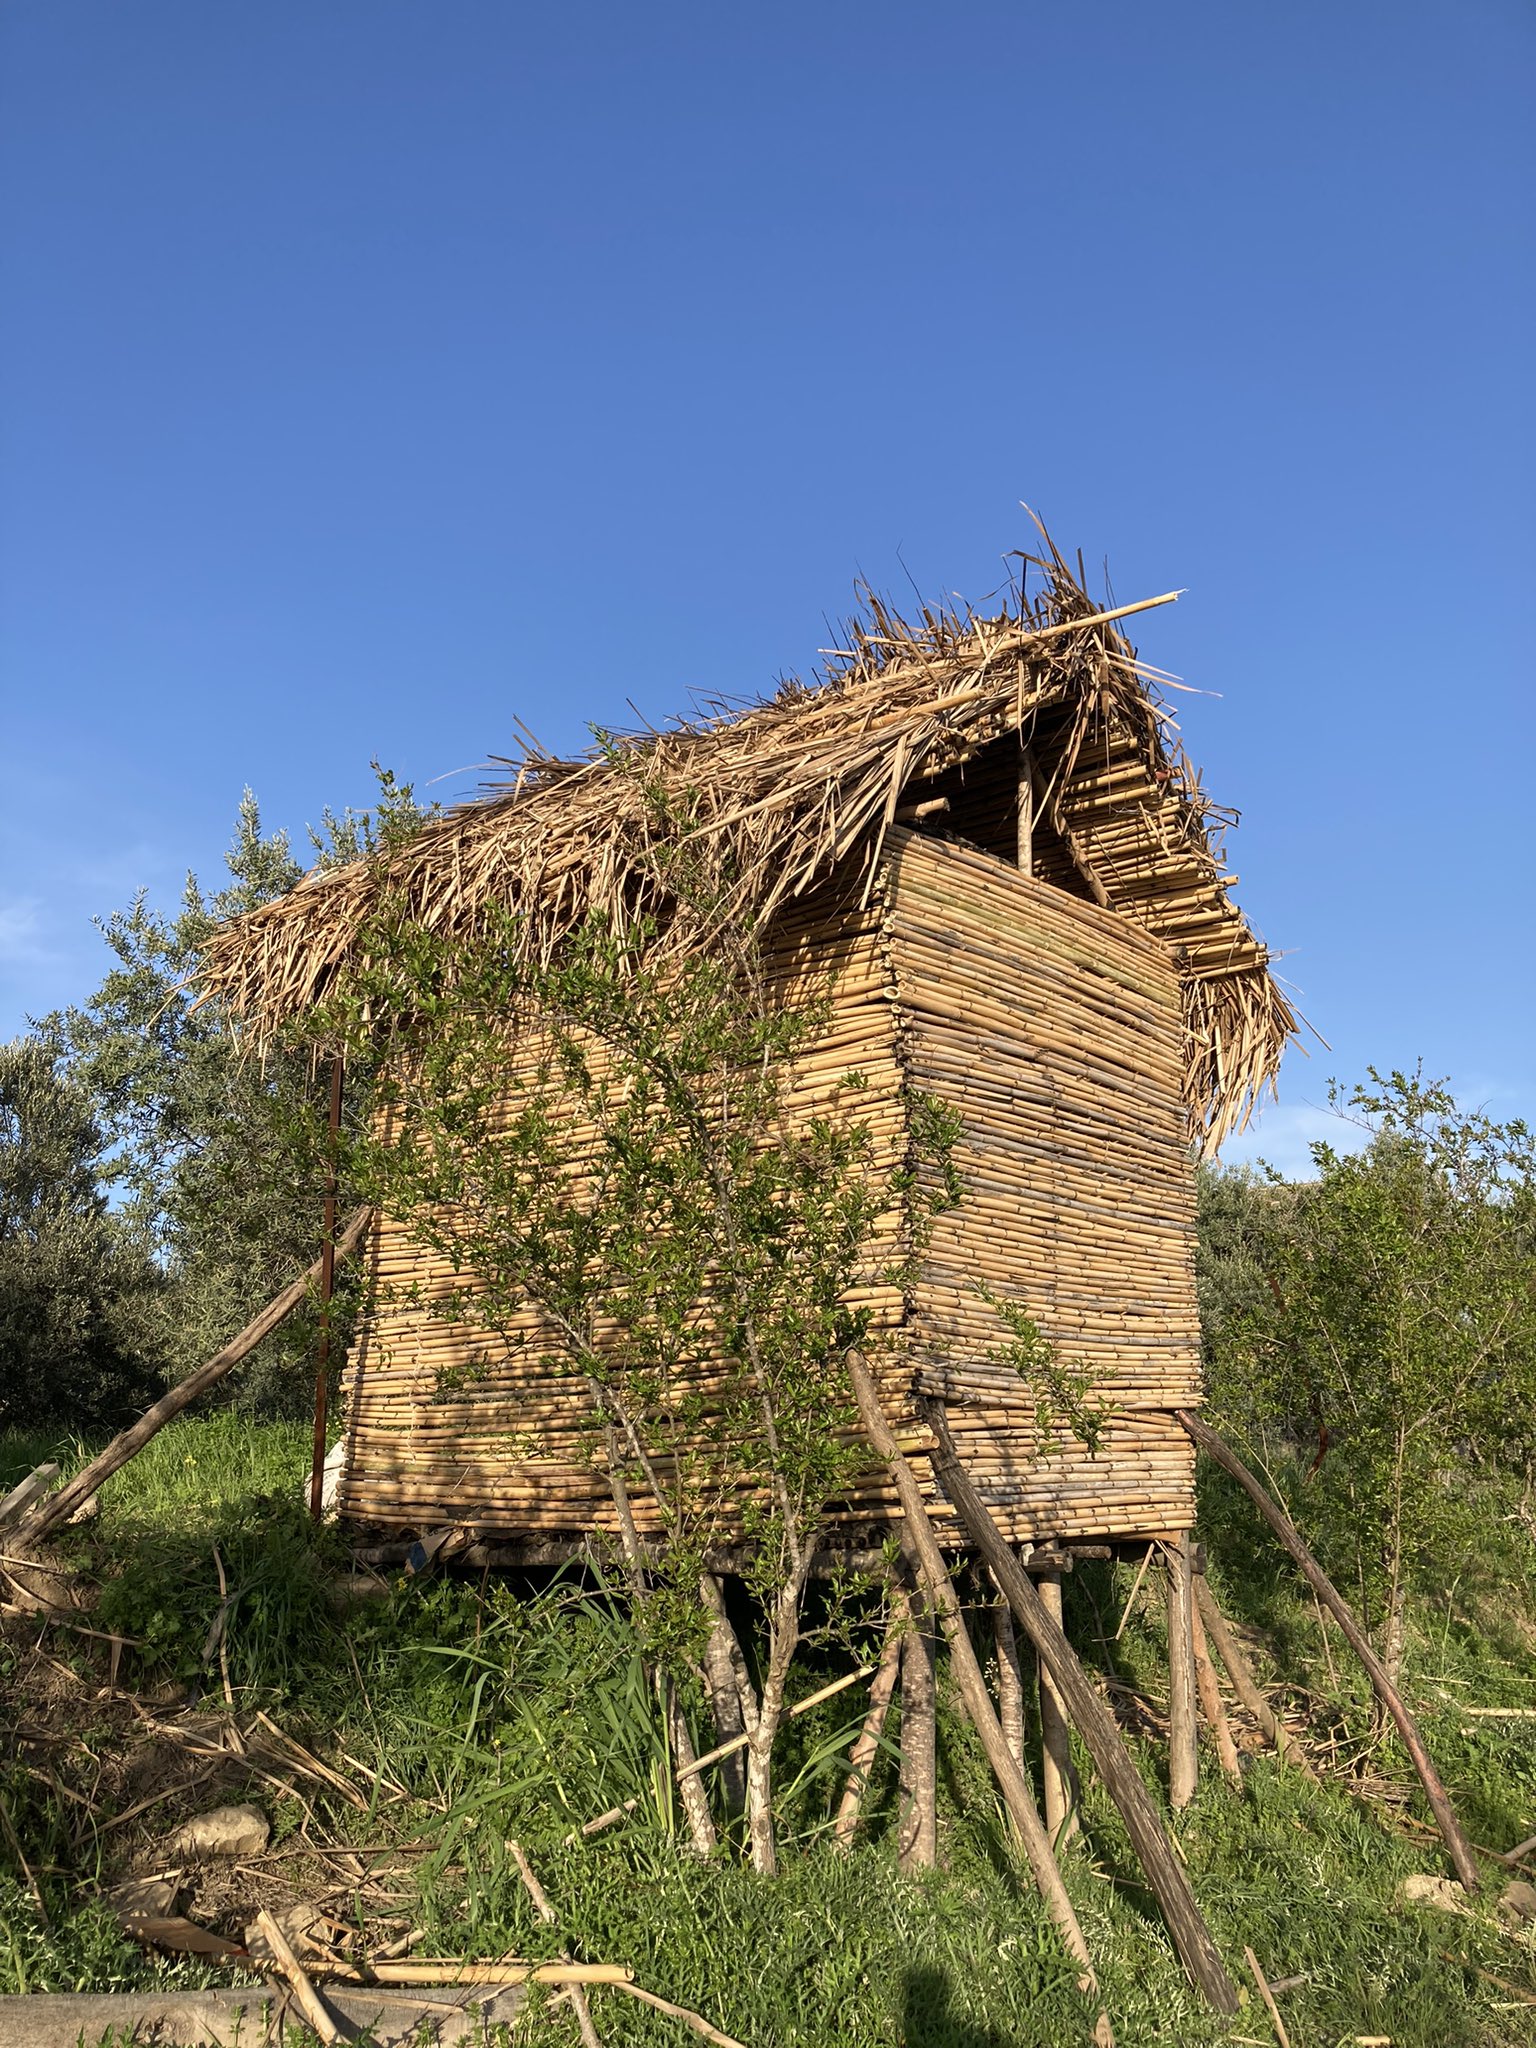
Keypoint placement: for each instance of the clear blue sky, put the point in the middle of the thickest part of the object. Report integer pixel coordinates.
(375, 370)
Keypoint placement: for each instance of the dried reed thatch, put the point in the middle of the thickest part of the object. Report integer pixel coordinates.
(772, 798)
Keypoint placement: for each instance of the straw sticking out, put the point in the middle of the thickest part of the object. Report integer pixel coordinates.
(776, 796)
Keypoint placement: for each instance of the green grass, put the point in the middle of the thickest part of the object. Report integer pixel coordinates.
(523, 1709)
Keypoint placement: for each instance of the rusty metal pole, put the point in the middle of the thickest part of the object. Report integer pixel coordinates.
(327, 1288)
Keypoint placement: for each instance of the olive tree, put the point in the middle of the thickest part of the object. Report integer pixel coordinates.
(1389, 1325)
(602, 1145)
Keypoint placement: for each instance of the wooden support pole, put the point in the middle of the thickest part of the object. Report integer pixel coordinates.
(327, 1290)
(1017, 1797)
(30, 1490)
(1451, 1831)
(1055, 1735)
(60, 1506)
(1183, 1739)
(1026, 812)
(1244, 1684)
(918, 1833)
(1165, 1873)
(1211, 1701)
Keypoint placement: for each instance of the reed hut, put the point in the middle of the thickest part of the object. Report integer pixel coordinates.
(983, 831)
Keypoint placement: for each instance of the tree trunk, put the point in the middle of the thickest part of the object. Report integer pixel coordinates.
(1010, 1678)
(918, 1837)
(862, 1756)
(695, 1799)
(783, 1638)
(701, 1825)
(725, 1697)
(1396, 1633)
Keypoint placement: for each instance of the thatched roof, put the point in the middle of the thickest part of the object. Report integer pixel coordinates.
(776, 795)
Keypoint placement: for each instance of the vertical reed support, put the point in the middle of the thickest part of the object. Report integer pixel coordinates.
(1183, 1744)
(327, 1290)
(1010, 1679)
(918, 1837)
(1055, 1741)
(1026, 812)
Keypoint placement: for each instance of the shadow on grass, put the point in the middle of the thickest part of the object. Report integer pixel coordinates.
(929, 2020)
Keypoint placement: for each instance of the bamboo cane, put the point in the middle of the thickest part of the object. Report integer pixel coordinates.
(1017, 1797)
(60, 1506)
(1164, 1872)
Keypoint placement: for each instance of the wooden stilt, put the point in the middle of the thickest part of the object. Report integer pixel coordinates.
(1183, 1744)
(918, 1836)
(1055, 1738)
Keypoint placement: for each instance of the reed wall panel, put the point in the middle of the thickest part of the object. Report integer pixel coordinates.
(446, 1422)
(1054, 1028)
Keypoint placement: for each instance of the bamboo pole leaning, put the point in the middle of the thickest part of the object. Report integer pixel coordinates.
(1451, 1830)
(58, 1508)
(1211, 1704)
(1244, 1684)
(574, 1993)
(1017, 1797)
(1165, 1873)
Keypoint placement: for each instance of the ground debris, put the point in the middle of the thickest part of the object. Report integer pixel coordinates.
(1423, 1889)
(223, 1832)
